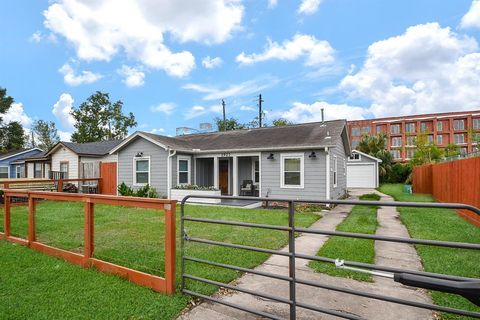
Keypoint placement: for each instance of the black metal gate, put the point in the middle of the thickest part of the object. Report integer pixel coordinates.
(469, 288)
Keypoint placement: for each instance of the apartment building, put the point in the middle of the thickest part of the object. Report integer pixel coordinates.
(442, 129)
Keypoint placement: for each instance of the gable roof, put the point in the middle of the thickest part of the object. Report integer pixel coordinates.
(12, 153)
(92, 149)
(367, 155)
(299, 136)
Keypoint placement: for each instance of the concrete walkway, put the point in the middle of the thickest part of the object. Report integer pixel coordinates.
(388, 254)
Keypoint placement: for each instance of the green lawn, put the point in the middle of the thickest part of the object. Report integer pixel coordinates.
(362, 219)
(440, 224)
(49, 288)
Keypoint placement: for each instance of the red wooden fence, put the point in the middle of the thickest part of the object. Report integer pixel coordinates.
(108, 173)
(455, 181)
(165, 285)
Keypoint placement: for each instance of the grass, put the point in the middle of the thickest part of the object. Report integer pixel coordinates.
(52, 289)
(440, 224)
(362, 219)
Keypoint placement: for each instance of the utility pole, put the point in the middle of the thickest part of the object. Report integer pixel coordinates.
(260, 100)
(224, 119)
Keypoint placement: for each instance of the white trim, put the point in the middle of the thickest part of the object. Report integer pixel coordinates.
(215, 173)
(234, 175)
(283, 157)
(260, 174)
(366, 155)
(355, 160)
(16, 170)
(19, 153)
(327, 169)
(169, 172)
(253, 170)
(189, 163)
(135, 159)
(335, 171)
(8, 172)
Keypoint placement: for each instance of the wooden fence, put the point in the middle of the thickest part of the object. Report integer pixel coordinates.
(165, 285)
(455, 181)
(108, 173)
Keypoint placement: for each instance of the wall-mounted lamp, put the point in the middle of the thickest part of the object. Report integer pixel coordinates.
(270, 157)
(139, 155)
(312, 155)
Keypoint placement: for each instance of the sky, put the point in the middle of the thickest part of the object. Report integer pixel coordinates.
(171, 62)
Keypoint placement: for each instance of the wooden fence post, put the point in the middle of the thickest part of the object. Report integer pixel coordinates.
(32, 237)
(6, 215)
(60, 186)
(89, 245)
(170, 247)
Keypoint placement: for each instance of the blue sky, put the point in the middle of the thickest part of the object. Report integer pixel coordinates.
(355, 59)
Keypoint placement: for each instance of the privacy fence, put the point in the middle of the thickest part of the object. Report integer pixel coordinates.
(455, 182)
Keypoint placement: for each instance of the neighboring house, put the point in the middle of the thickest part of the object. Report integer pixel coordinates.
(80, 160)
(362, 170)
(37, 166)
(12, 164)
(304, 161)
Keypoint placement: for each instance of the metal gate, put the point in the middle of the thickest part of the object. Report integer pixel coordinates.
(469, 288)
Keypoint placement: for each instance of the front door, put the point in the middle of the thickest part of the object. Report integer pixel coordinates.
(223, 176)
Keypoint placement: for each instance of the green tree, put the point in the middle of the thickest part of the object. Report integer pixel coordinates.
(280, 122)
(229, 124)
(99, 119)
(13, 136)
(46, 133)
(451, 150)
(425, 152)
(5, 101)
(376, 146)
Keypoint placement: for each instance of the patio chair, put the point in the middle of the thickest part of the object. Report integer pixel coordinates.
(246, 189)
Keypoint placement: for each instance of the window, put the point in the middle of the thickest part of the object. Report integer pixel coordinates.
(410, 127)
(476, 123)
(256, 171)
(292, 171)
(4, 172)
(439, 126)
(459, 124)
(463, 151)
(379, 129)
(395, 129)
(410, 141)
(430, 138)
(459, 138)
(64, 167)
(423, 127)
(439, 139)
(19, 172)
(410, 153)
(366, 130)
(355, 143)
(395, 154)
(335, 171)
(396, 142)
(476, 138)
(355, 157)
(183, 170)
(37, 170)
(141, 170)
(355, 132)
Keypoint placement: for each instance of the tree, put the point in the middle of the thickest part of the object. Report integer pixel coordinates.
(451, 150)
(5, 102)
(46, 133)
(13, 136)
(281, 122)
(99, 119)
(229, 124)
(376, 146)
(426, 152)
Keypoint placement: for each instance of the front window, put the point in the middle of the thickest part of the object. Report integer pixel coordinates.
(355, 131)
(459, 138)
(459, 125)
(183, 171)
(397, 142)
(335, 171)
(395, 129)
(4, 172)
(439, 126)
(142, 171)
(476, 123)
(256, 171)
(410, 127)
(37, 172)
(292, 171)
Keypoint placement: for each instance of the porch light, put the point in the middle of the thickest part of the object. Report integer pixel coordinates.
(270, 157)
(139, 155)
(312, 155)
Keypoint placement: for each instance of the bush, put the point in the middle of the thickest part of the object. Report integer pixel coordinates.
(399, 173)
(125, 190)
(194, 187)
(144, 192)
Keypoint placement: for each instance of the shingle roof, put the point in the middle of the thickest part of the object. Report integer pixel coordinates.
(39, 155)
(94, 149)
(314, 134)
(11, 153)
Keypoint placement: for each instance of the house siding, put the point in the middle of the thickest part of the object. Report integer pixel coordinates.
(363, 159)
(158, 164)
(314, 177)
(341, 189)
(13, 167)
(62, 155)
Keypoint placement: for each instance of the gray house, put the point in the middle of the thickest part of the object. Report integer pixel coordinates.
(304, 161)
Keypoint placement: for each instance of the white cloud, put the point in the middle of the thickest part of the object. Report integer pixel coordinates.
(303, 112)
(426, 69)
(165, 107)
(211, 63)
(317, 52)
(36, 37)
(132, 77)
(272, 3)
(157, 131)
(197, 111)
(85, 77)
(62, 110)
(235, 90)
(17, 113)
(247, 108)
(64, 135)
(99, 30)
(472, 18)
(309, 6)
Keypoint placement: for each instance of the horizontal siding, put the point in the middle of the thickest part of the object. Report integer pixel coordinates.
(64, 154)
(341, 189)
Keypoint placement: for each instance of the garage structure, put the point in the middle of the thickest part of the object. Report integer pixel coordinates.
(362, 170)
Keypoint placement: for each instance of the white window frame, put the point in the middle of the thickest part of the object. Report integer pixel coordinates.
(408, 142)
(396, 125)
(285, 156)
(189, 171)
(396, 139)
(409, 126)
(440, 140)
(254, 171)
(35, 169)
(399, 154)
(407, 151)
(457, 135)
(135, 159)
(455, 127)
(440, 126)
(8, 171)
(476, 123)
(335, 171)
(357, 155)
(18, 170)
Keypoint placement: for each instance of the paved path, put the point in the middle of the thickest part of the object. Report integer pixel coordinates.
(386, 254)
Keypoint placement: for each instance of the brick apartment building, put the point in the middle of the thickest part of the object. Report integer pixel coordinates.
(442, 128)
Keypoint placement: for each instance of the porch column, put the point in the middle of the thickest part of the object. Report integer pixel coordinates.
(215, 172)
(235, 176)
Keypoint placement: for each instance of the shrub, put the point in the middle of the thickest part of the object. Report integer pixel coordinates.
(125, 190)
(144, 192)
(194, 187)
(399, 173)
